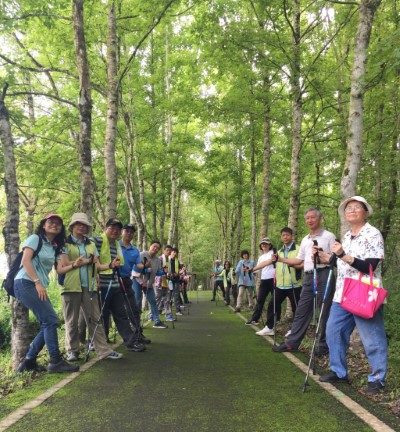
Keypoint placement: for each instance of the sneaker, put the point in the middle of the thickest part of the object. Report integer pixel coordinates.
(283, 348)
(136, 347)
(333, 378)
(288, 333)
(322, 351)
(72, 357)
(28, 364)
(159, 325)
(62, 366)
(170, 318)
(114, 356)
(237, 310)
(266, 331)
(91, 347)
(375, 387)
(179, 313)
(251, 322)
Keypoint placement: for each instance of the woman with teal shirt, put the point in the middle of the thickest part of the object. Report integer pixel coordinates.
(30, 289)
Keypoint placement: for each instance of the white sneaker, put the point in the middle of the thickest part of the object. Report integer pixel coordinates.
(288, 333)
(266, 331)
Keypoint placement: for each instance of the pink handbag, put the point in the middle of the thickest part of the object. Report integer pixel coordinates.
(362, 299)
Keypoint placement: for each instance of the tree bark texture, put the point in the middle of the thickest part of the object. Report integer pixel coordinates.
(85, 110)
(20, 317)
(112, 115)
(266, 166)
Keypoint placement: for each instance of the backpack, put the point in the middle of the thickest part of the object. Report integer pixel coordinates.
(8, 282)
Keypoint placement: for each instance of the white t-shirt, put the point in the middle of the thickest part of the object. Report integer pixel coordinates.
(268, 272)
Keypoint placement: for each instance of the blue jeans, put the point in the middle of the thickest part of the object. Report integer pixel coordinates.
(372, 333)
(25, 292)
(151, 298)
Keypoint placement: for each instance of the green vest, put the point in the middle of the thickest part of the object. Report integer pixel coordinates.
(105, 254)
(288, 277)
(72, 281)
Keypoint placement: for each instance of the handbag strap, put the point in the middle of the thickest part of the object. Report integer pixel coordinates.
(371, 276)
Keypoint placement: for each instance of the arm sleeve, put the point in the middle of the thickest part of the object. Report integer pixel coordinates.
(363, 265)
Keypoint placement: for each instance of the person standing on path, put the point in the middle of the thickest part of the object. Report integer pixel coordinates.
(78, 262)
(266, 265)
(111, 258)
(131, 258)
(228, 277)
(305, 307)
(288, 282)
(245, 280)
(218, 280)
(362, 247)
(30, 286)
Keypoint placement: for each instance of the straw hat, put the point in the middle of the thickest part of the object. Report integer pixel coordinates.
(360, 199)
(81, 218)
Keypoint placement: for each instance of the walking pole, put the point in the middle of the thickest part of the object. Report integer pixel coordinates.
(312, 354)
(315, 283)
(100, 318)
(127, 303)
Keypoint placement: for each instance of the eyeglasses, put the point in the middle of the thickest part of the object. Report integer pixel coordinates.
(353, 208)
(54, 222)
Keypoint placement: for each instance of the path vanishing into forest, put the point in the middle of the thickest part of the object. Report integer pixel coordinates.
(210, 373)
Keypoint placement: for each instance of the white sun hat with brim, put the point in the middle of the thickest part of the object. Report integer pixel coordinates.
(360, 199)
(81, 218)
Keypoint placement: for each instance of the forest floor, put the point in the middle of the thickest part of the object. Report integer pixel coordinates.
(210, 373)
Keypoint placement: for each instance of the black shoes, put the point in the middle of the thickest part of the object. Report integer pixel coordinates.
(61, 366)
(136, 347)
(374, 387)
(28, 364)
(333, 378)
(321, 351)
(251, 322)
(144, 340)
(283, 348)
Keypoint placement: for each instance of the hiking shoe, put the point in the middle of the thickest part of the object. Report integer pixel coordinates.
(159, 325)
(72, 357)
(62, 366)
(170, 318)
(283, 348)
(179, 313)
(288, 333)
(136, 347)
(321, 351)
(375, 387)
(266, 331)
(333, 378)
(114, 356)
(144, 340)
(27, 364)
(251, 322)
(237, 310)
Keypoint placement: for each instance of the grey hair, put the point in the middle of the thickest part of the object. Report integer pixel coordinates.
(318, 212)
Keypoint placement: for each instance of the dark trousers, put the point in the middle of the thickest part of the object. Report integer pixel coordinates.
(133, 311)
(229, 288)
(279, 296)
(305, 307)
(266, 287)
(220, 284)
(115, 305)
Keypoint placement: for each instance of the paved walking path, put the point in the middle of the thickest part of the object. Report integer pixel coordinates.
(210, 373)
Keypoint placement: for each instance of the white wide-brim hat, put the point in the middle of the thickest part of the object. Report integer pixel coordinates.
(343, 204)
(79, 217)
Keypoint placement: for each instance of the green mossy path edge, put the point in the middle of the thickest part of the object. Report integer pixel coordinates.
(210, 373)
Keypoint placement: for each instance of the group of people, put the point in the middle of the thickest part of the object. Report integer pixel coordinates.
(304, 274)
(100, 277)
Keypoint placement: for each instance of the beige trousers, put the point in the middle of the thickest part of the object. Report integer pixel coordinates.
(249, 293)
(71, 303)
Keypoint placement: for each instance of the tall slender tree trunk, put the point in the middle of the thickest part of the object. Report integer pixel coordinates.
(112, 115)
(253, 188)
(20, 319)
(85, 110)
(266, 164)
(239, 208)
(297, 118)
(367, 9)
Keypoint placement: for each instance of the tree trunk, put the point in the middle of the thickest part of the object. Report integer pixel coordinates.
(85, 110)
(112, 115)
(20, 317)
(297, 118)
(253, 189)
(266, 164)
(351, 168)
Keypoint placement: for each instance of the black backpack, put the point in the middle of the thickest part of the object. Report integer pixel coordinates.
(8, 282)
